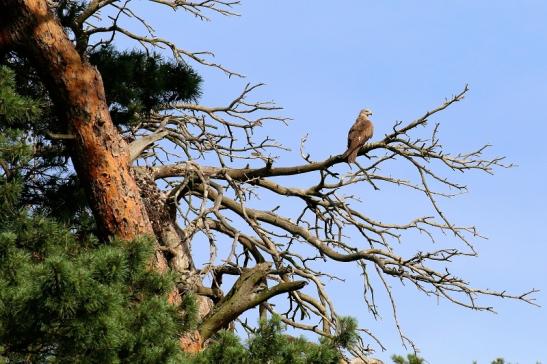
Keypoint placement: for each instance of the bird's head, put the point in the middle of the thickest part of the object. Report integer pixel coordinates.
(365, 112)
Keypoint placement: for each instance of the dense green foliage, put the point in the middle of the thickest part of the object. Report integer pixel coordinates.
(73, 302)
(410, 359)
(137, 83)
(14, 108)
(269, 346)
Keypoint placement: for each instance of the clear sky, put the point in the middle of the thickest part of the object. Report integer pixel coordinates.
(325, 60)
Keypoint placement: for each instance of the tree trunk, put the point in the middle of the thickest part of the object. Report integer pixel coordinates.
(100, 155)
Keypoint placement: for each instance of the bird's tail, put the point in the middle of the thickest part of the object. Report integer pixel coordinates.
(351, 155)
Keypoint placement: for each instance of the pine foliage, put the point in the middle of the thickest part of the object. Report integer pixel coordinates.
(63, 300)
(410, 359)
(73, 300)
(269, 345)
(14, 108)
(66, 302)
(137, 83)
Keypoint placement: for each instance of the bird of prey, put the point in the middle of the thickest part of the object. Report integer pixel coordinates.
(360, 132)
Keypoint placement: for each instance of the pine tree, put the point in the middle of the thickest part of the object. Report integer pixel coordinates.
(64, 299)
(68, 297)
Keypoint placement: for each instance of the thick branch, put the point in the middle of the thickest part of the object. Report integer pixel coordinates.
(139, 145)
(248, 291)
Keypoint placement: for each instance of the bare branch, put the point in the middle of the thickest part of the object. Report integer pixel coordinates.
(197, 8)
(246, 293)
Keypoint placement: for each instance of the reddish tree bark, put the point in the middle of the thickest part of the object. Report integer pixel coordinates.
(100, 155)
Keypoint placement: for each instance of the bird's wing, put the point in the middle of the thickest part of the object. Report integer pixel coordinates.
(368, 130)
(358, 134)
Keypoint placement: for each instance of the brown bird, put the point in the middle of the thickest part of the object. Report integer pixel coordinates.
(360, 132)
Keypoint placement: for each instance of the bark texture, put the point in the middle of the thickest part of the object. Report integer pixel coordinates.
(126, 203)
(99, 154)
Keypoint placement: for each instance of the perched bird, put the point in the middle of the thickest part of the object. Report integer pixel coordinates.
(360, 132)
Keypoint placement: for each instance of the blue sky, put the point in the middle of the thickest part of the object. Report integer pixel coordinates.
(323, 61)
